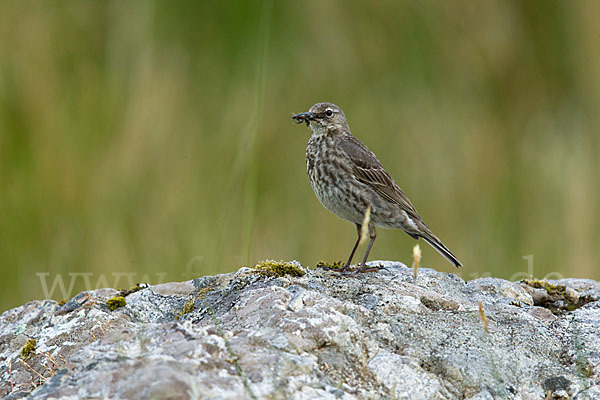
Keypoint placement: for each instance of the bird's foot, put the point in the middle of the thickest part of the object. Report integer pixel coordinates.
(365, 268)
(337, 267)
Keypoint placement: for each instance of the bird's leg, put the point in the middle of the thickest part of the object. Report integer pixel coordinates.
(347, 265)
(363, 267)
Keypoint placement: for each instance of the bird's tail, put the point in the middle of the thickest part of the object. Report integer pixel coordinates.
(441, 248)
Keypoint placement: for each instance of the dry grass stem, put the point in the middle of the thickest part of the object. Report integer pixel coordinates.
(12, 383)
(484, 319)
(416, 260)
(47, 355)
(42, 377)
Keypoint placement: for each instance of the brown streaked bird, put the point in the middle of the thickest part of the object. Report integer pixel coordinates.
(347, 178)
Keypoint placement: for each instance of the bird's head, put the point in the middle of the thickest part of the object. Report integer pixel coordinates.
(323, 118)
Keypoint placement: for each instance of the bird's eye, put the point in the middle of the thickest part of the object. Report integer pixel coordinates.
(329, 112)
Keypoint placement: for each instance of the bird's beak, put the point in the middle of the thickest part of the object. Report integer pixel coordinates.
(304, 117)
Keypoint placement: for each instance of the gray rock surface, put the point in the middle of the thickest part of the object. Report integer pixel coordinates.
(318, 336)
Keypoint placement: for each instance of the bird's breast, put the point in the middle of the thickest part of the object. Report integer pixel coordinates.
(329, 173)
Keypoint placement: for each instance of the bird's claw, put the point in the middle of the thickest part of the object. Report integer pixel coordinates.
(349, 271)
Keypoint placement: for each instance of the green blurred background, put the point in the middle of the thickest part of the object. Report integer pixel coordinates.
(154, 138)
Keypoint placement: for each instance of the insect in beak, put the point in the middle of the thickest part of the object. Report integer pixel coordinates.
(304, 117)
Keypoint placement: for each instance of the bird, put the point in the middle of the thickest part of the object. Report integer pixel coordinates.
(351, 182)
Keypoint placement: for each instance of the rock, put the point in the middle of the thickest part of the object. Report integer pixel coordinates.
(248, 335)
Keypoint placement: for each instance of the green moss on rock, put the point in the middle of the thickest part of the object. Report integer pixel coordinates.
(28, 349)
(328, 265)
(550, 288)
(560, 298)
(137, 287)
(115, 302)
(188, 307)
(273, 268)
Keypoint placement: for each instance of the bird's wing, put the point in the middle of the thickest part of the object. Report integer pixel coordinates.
(368, 170)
